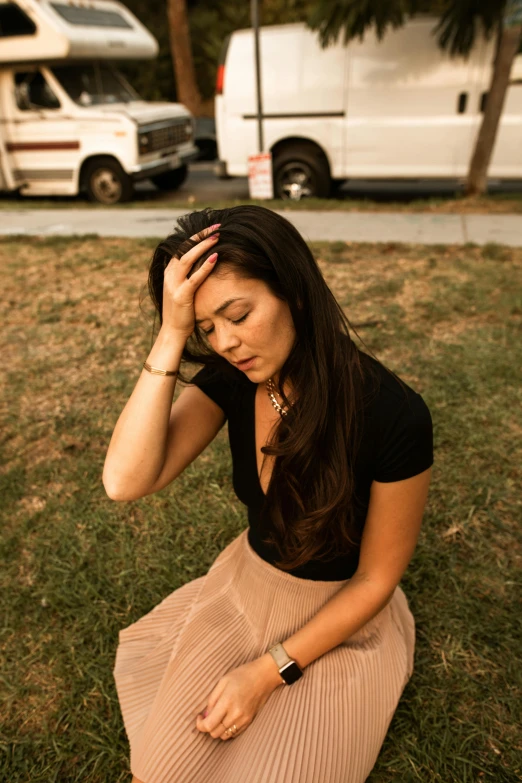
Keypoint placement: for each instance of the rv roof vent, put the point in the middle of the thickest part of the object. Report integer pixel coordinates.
(90, 17)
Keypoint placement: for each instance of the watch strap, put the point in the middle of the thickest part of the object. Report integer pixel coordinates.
(279, 655)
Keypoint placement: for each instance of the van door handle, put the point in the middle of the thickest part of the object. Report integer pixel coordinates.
(462, 102)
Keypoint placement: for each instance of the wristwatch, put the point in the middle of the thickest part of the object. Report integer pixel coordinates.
(289, 669)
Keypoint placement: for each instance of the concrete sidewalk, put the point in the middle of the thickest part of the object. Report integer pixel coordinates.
(314, 225)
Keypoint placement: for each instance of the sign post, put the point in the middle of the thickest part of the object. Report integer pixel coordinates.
(260, 180)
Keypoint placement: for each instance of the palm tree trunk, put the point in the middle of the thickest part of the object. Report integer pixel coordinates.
(507, 47)
(181, 51)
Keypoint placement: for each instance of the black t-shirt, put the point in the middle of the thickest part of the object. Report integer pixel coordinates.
(397, 443)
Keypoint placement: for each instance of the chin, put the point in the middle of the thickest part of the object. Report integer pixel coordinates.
(256, 376)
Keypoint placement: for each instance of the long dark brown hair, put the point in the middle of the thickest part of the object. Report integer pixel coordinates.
(310, 501)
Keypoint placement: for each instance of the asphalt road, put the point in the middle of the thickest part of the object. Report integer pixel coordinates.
(203, 185)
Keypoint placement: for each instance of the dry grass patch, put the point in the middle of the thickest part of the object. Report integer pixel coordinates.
(79, 567)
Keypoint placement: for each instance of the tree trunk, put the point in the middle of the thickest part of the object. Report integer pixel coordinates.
(508, 42)
(181, 51)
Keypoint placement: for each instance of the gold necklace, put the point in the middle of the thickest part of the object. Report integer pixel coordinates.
(270, 387)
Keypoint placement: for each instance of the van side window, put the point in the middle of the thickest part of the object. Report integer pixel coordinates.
(33, 92)
(13, 21)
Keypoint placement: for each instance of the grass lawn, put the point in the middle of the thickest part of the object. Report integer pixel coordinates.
(77, 566)
(492, 204)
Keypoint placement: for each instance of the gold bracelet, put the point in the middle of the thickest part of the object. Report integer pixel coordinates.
(157, 371)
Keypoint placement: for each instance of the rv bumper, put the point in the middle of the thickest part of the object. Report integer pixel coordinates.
(154, 167)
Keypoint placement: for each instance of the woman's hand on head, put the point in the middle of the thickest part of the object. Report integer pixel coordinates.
(178, 290)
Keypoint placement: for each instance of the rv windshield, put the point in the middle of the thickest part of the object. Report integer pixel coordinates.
(91, 84)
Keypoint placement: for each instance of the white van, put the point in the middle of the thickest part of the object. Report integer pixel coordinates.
(398, 108)
(69, 121)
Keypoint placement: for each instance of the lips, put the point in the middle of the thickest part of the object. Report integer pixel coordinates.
(244, 362)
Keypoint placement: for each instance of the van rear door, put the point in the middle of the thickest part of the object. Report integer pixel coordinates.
(303, 89)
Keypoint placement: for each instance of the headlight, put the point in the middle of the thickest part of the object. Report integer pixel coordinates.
(144, 143)
(189, 129)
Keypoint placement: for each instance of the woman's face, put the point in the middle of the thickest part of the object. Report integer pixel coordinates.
(256, 324)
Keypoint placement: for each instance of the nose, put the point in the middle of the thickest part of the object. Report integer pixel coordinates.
(225, 340)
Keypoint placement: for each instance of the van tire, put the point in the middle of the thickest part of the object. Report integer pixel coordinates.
(302, 169)
(106, 182)
(171, 180)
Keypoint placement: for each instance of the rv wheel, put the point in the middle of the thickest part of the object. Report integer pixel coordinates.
(300, 172)
(107, 182)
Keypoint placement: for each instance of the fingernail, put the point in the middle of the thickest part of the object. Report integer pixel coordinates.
(213, 258)
(214, 226)
(204, 714)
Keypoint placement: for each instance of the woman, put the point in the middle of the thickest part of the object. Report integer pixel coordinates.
(285, 662)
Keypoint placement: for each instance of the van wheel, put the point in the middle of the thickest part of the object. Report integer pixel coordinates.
(301, 172)
(171, 180)
(107, 182)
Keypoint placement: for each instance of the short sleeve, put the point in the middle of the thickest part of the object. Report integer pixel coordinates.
(216, 386)
(405, 442)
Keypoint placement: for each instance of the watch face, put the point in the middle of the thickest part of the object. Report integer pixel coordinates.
(291, 673)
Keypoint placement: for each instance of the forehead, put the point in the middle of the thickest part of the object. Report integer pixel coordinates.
(216, 289)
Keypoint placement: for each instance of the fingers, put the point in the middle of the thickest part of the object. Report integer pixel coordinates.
(220, 732)
(205, 232)
(217, 724)
(225, 734)
(228, 735)
(198, 250)
(197, 278)
(178, 268)
(192, 255)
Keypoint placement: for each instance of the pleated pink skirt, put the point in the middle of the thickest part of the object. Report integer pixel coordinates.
(328, 727)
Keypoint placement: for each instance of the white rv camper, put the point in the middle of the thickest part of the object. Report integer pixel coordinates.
(398, 108)
(69, 121)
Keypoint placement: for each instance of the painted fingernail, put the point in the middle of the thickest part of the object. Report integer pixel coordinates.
(213, 258)
(214, 226)
(214, 236)
(204, 714)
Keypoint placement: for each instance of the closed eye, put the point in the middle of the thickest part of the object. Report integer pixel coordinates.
(239, 321)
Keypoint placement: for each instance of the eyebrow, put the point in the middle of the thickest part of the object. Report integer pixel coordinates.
(222, 307)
